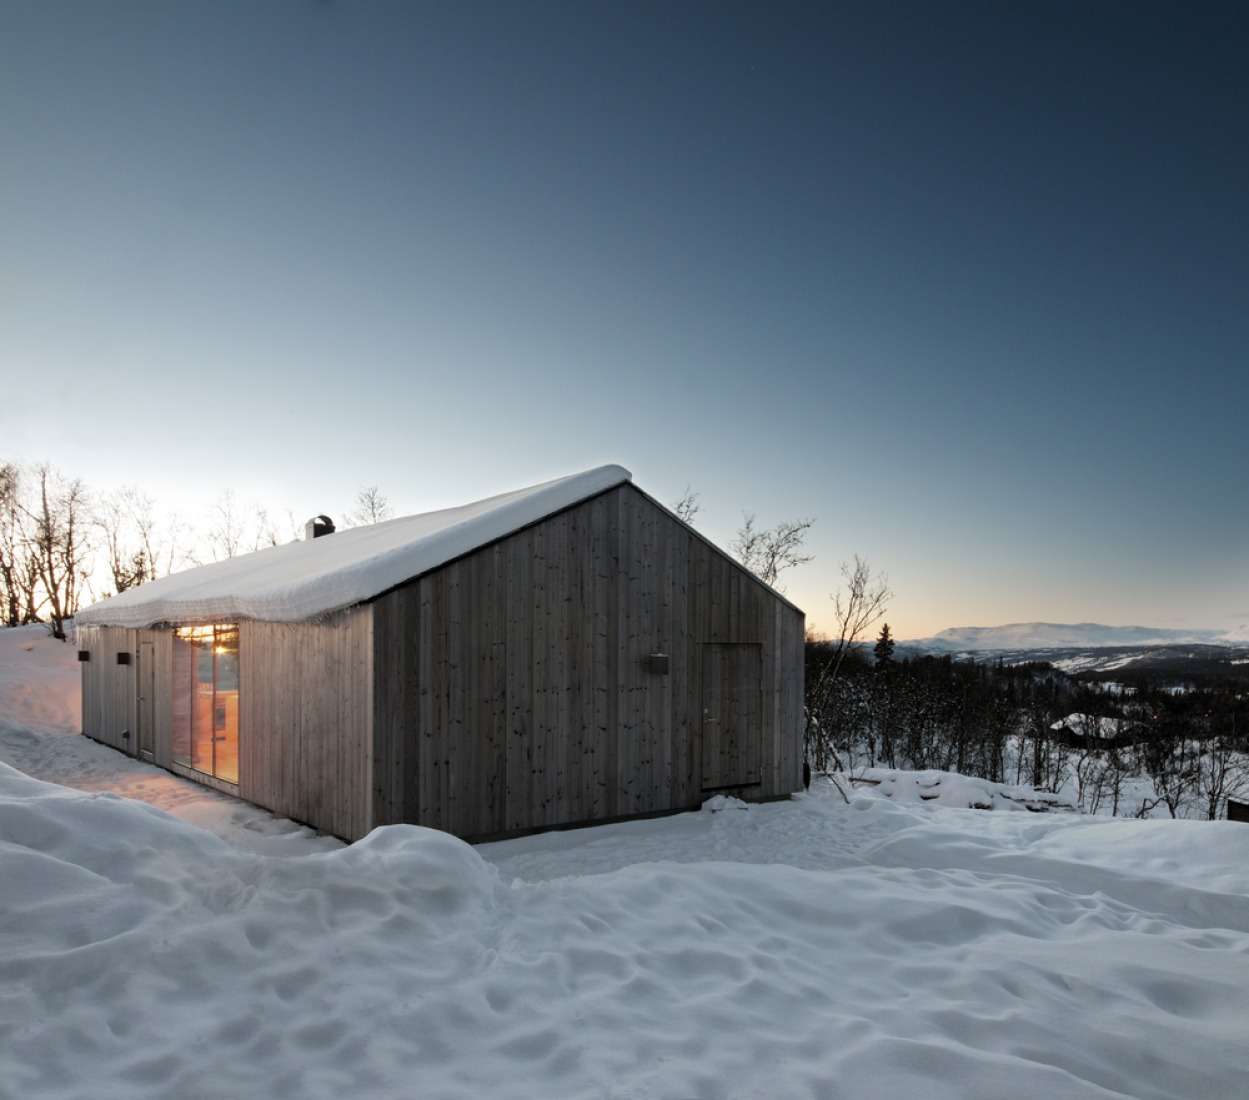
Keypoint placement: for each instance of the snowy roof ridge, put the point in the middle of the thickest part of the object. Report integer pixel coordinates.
(308, 580)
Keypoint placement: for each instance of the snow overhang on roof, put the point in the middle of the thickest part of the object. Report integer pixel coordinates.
(307, 580)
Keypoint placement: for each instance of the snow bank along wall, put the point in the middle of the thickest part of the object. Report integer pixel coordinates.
(598, 663)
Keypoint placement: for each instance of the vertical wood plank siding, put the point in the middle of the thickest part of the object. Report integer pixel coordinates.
(162, 704)
(109, 690)
(513, 689)
(305, 720)
(507, 691)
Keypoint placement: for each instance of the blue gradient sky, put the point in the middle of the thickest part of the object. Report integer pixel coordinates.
(967, 283)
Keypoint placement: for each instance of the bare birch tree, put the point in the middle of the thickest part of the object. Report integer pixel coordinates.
(13, 553)
(124, 522)
(687, 507)
(59, 516)
(768, 554)
(1222, 773)
(371, 507)
(857, 606)
(226, 526)
(239, 528)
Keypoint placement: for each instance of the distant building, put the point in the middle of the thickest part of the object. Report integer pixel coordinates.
(564, 654)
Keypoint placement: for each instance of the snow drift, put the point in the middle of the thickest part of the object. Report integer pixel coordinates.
(820, 948)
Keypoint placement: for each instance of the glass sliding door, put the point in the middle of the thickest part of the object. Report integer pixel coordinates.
(206, 700)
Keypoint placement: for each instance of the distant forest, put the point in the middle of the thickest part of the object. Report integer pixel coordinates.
(1143, 744)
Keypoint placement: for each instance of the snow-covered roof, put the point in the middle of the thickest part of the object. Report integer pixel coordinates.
(305, 580)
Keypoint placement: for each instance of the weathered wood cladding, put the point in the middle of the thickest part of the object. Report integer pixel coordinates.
(111, 710)
(305, 712)
(513, 687)
(510, 690)
(157, 645)
(109, 701)
(305, 720)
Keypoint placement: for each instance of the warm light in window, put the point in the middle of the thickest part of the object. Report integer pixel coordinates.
(208, 636)
(198, 633)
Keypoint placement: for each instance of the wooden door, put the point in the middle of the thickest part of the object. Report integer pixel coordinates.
(146, 711)
(732, 715)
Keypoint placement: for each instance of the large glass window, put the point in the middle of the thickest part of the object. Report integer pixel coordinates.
(206, 700)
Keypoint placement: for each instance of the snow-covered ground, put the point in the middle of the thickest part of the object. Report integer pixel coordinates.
(890, 943)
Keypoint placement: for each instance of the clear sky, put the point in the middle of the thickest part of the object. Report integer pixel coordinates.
(967, 283)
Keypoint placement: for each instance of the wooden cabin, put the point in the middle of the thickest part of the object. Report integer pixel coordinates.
(564, 654)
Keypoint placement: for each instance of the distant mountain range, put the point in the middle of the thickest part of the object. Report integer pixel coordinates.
(1095, 648)
(1016, 636)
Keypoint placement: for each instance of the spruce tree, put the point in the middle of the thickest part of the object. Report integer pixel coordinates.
(884, 648)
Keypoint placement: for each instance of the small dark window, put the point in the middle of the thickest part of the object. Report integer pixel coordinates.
(123, 658)
(84, 655)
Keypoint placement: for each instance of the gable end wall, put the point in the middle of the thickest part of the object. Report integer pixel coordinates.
(513, 689)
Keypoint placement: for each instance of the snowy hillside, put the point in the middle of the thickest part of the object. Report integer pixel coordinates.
(1022, 636)
(864, 946)
(1091, 647)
